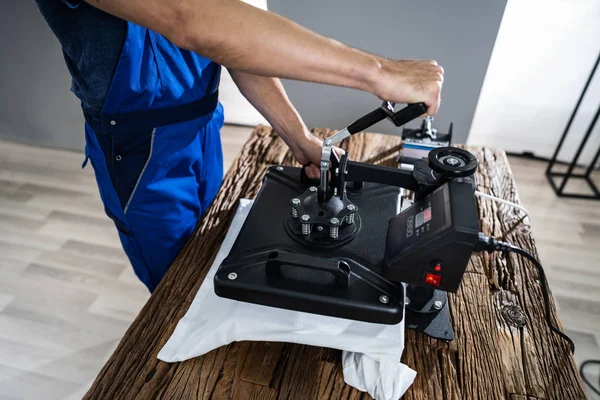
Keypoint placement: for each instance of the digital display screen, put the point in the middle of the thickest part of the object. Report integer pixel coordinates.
(423, 217)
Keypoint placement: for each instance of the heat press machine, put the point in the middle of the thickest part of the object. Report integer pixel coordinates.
(341, 246)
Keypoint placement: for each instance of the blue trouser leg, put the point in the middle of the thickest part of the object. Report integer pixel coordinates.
(155, 185)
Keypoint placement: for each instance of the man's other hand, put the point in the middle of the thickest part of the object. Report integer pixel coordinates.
(308, 151)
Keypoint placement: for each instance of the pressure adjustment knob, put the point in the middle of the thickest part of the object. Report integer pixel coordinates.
(452, 162)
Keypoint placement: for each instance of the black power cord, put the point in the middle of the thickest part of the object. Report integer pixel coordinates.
(491, 245)
(594, 389)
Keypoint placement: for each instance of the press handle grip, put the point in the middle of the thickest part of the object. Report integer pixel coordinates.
(366, 121)
(399, 118)
(408, 113)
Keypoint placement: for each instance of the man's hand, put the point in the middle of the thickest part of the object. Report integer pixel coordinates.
(307, 150)
(410, 82)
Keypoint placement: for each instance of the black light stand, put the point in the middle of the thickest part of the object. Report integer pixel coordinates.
(559, 188)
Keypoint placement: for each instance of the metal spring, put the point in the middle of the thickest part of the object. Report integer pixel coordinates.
(294, 212)
(334, 232)
(350, 219)
(305, 229)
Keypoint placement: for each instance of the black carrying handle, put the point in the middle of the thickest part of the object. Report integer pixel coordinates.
(339, 269)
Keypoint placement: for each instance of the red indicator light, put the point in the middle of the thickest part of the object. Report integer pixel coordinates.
(432, 279)
(427, 215)
(437, 268)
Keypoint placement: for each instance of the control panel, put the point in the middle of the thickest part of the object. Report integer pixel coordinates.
(430, 242)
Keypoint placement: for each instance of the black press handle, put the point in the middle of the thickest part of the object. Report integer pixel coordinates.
(366, 121)
(400, 118)
(408, 113)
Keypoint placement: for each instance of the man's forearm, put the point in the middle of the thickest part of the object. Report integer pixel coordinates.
(244, 38)
(268, 96)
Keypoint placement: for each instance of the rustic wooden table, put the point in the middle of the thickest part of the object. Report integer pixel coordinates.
(502, 350)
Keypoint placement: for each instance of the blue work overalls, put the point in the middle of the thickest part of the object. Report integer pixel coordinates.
(156, 148)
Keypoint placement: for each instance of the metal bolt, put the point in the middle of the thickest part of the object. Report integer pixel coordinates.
(350, 219)
(296, 202)
(294, 212)
(113, 122)
(320, 228)
(118, 157)
(438, 305)
(312, 189)
(232, 276)
(327, 142)
(334, 232)
(305, 229)
(384, 299)
(324, 165)
(279, 168)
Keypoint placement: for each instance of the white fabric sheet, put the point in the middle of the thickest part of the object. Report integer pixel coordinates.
(371, 352)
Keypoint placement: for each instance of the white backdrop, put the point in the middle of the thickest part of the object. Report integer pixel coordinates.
(541, 60)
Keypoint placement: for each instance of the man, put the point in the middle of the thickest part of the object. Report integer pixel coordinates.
(147, 74)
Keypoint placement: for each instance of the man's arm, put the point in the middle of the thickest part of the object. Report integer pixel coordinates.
(248, 39)
(268, 96)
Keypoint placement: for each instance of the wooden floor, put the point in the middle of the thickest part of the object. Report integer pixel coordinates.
(67, 292)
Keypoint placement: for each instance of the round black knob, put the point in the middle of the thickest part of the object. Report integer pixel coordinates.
(452, 162)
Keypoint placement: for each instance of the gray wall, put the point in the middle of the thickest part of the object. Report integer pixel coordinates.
(459, 34)
(36, 105)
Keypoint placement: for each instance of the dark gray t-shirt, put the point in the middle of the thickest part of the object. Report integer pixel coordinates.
(91, 41)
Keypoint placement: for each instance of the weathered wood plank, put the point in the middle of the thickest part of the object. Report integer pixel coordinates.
(261, 362)
(502, 349)
(301, 377)
(249, 391)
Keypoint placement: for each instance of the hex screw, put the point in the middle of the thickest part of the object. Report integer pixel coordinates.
(334, 231)
(305, 226)
(232, 276)
(295, 202)
(312, 189)
(279, 168)
(438, 305)
(384, 299)
(350, 217)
